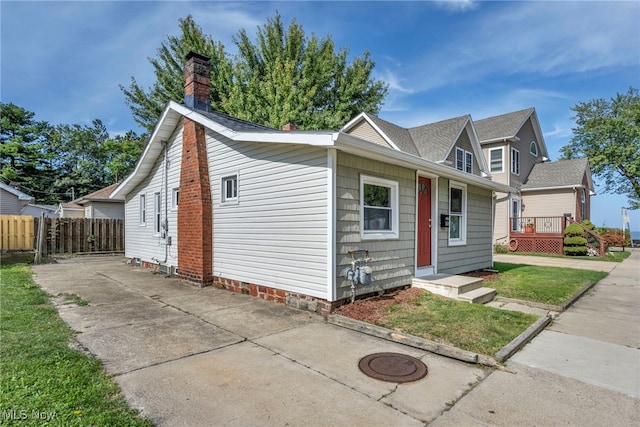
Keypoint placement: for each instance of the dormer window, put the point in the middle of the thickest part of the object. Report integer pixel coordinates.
(464, 160)
(533, 149)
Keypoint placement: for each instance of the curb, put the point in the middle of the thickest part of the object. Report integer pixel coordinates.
(518, 342)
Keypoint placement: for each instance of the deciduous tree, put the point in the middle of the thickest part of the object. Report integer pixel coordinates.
(608, 134)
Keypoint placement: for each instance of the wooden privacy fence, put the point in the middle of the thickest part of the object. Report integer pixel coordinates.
(83, 235)
(16, 233)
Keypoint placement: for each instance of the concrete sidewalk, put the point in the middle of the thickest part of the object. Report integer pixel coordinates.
(583, 370)
(187, 356)
(566, 262)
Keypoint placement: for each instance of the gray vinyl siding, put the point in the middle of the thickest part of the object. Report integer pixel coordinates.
(477, 252)
(141, 241)
(365, 131)
(276, 233)
(527, 160)
(106, 210)
(465, 143)
(392, 260)
(9, 203)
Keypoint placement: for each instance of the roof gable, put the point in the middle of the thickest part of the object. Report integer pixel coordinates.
(504, 126)
(436, 140)
(19, 194)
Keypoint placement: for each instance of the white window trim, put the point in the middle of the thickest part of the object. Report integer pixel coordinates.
(232, 200)
(142, 210)
(533, 144)
(175, 198)
(157, 214)
(394, 233)
(501, 149)
(464, 154)
(462, 240)
(514, 163)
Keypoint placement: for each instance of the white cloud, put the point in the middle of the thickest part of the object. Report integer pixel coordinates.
(457, 5)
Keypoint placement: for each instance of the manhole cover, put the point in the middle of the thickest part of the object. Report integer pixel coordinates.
(393, 367)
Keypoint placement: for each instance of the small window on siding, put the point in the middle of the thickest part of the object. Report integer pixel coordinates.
(495, 158)
(156, 213)
(379, 207)
(533, 149)
(515, 161)
(464, 160)
(457, 214)
(229, 188)
(175, 193)
(142, 217)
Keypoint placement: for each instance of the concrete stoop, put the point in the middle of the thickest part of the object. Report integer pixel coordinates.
(462, 288)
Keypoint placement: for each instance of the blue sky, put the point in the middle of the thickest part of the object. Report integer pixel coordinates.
(442, 59)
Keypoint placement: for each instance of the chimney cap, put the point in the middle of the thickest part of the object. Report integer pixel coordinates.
(196, 55)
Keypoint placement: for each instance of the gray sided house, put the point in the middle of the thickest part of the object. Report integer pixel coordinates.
(12, 200)
(517, 156)
(278, 214)
(96, 205)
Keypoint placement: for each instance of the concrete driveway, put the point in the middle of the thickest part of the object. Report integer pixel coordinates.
(187, 356)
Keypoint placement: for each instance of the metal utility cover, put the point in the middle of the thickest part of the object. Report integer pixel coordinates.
(393, 367)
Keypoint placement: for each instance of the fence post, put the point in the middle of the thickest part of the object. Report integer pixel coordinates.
(41, 240)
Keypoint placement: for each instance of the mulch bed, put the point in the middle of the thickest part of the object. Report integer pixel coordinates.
(371, 310)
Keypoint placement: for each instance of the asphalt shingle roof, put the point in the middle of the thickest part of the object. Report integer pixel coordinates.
(502, 126)
(233, 123)
(560, 173)
(434, 140)
(398, 135)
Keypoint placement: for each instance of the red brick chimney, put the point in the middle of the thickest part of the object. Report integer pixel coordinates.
(195, 210)
(289, 126)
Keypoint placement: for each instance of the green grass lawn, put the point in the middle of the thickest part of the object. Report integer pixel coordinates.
(547, 285)
(41, 375)
(471, 327)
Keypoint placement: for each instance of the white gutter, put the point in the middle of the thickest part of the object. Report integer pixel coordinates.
(358, 146)
(562, 187)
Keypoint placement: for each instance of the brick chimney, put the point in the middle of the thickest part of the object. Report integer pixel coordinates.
(197, 82)
(195, 210)
(289, 126)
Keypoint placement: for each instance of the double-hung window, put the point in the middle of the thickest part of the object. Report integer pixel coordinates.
(156, 213)
(229, 189)
(515, 161)
(495, 160)
(464, 160)
(457, 213)
(379, 207)
(142, 213)
(175, 195)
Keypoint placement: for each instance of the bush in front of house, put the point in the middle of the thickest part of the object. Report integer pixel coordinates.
(574, 240)
(588, 225)
(500, 248)
(615, 236)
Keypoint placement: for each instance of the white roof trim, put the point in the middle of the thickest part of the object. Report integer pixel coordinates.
(475, 146)
(366, 117)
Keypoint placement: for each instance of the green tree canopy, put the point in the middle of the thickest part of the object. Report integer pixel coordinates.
(282, 77)
(608, 134)
(24, 154)
(51, 160)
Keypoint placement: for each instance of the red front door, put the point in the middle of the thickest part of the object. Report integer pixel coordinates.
(424, 221)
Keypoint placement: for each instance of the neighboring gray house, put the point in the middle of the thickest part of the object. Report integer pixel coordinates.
(94, 205)
(12, 200)
(34, 210)
(276, 213)
(517, 155)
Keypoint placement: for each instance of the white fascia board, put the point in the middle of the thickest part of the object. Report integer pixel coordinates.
(559, 187)
(538, 132)
(352, 122)
(501, 139)
(365, 116)
(353, 145)
(477, 148)
(151, 151)
(318, 139)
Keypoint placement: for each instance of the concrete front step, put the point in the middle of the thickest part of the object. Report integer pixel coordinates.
(447, 285)
(463, 288)
(478, 296)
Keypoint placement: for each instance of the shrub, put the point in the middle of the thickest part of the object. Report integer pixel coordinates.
(615, 237)
(574, 241)
(588, 225)
(500, 248)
